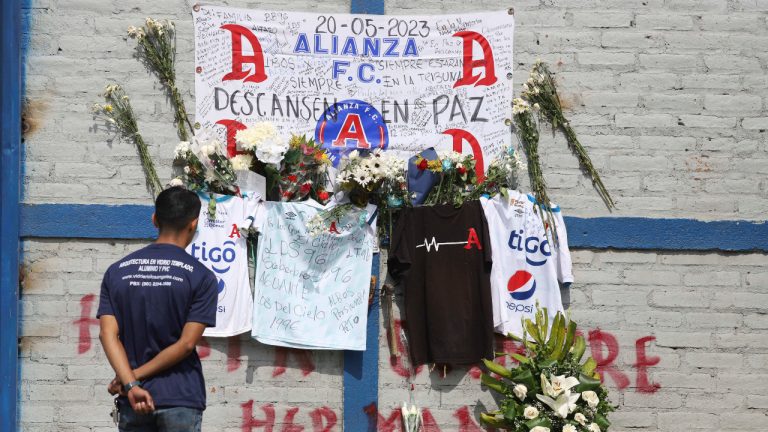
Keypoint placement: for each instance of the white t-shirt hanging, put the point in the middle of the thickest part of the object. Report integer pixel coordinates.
(526, 266)
(219, 245)
(312, 292)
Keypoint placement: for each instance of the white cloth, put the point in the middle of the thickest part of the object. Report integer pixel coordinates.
(220, 246)
(312, 292)
(526, 266)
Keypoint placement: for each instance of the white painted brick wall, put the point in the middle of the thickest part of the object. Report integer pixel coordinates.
(668, 97)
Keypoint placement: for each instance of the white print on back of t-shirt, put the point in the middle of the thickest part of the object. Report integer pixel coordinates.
(526, 265)
(221, 247)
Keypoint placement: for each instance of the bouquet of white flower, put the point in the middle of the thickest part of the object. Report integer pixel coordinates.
(549, 389)
(374, 175)
(206, 169)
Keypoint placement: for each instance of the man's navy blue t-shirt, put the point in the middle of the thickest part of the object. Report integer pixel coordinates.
(152, 293)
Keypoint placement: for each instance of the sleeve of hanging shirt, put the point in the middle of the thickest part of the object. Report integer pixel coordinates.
(254, 211)
(564, 263)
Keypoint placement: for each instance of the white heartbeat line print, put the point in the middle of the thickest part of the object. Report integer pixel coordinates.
(434, 244)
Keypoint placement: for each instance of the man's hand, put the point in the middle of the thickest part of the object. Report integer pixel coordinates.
(141, 401)
(115, 387)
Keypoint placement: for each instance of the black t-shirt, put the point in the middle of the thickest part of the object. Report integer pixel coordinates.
(152, 293)
(442, 256)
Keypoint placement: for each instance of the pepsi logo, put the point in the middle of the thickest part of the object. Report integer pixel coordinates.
(521, 285)
(222, 289)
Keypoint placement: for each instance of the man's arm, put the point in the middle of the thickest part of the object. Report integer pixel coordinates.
(109, 334)
(174, 353)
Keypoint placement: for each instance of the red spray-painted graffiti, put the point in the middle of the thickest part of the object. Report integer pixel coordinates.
(323, 419)
(604, 347)
(84, 323)
(234, 344)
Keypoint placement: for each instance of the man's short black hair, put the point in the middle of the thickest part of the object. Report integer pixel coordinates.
(176, 207)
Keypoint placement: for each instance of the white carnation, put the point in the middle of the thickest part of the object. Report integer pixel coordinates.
(593, 427)
(540, 429)
(181, 149)
(569, 428)
(241, 162)
(176, 182)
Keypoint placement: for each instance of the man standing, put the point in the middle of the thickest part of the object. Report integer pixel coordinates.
(155, 304)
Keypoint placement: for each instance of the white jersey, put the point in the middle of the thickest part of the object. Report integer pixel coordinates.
(219, 245)
(526, 267)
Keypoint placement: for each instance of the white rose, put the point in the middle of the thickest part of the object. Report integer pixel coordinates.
(540, 429)
(579, 417)
(593, 427)
(569, 428)
(176, 182)
(591, 398)
(520, 391)
(530, 412)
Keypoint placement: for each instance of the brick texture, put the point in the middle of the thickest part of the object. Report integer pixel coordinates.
(668, 97)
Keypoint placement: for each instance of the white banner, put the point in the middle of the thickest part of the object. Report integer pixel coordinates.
(401, 83)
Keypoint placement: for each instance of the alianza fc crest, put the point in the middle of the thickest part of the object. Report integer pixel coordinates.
(351, 125)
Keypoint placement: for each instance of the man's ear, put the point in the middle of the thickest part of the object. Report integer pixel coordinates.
(154, 221)
(193, 225)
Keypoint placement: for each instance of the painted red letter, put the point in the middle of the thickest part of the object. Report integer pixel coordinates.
(459, 136)
(467, 75)
(643, 361)
(598, 338)
(256, 59)
(249, 422)
(84, 323)
(323, 419)
(232, 127)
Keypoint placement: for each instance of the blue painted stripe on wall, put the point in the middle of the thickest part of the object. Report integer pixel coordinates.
(361, 371)
(134, 222)
(374, 7)
(10, 190)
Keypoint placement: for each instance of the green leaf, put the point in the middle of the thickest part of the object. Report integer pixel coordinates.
(520, 358)
(524, 377)
(512, 409)
(493, 384)
(497, 369)
(539, 421)
(579, 346)
(602, 421)
(589, 366)
(533, 331)
(586, 382)
(493, 421)
(568, 340)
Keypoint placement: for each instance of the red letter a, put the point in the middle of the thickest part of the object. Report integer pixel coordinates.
(467, 77)
(257, 59)
(473, 240)
(352, 129)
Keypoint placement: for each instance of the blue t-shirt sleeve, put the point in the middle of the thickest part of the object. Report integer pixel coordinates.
(203, 308)
(105, 301)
